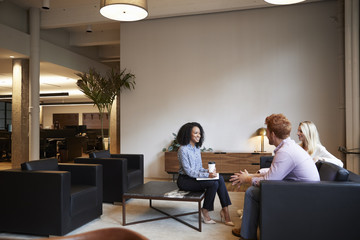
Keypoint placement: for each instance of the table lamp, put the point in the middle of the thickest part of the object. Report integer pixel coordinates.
(261, 132)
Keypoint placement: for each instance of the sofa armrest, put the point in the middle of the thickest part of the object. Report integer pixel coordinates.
(84, 174)
(34, 198)
(309, 210)
(354, 177)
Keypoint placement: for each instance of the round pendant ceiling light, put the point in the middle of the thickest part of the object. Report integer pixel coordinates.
(283, 2)
(124, 10)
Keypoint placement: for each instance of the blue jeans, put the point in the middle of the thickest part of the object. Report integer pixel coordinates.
(212, 187)
(250, 219)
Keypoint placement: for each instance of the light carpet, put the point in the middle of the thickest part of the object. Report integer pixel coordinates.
(138, 209)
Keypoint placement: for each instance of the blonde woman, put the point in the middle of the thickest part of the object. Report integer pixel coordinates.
(310, 141)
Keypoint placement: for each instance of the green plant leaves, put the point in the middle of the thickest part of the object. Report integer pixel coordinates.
(102, 90)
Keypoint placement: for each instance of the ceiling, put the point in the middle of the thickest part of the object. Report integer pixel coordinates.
(75, 16)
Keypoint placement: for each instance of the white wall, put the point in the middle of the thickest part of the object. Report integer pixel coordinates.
(229, 71)
(48, 111)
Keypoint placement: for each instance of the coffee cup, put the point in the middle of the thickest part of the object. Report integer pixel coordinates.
(211, 167)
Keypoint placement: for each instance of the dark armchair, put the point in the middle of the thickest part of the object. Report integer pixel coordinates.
(265, 161)
(121, 172)
(328, 209)
(47, 198)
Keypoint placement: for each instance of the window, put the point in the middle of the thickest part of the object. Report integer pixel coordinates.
(5, 115)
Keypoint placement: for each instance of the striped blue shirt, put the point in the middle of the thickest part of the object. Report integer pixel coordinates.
(190, 162)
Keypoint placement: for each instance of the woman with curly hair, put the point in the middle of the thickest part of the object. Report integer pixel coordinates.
(191, 137)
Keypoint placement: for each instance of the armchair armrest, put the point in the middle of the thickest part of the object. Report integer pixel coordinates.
(34, 198)
(115, 169)
(135, 161)
(309, 210)
(84, 174)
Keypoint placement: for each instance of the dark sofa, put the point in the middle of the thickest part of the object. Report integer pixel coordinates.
(47, 198)
(328, 209)
(121, 172)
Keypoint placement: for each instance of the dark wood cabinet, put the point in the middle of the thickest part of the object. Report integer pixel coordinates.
(225, 162)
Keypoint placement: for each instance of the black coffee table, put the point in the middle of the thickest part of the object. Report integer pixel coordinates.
(156, 190)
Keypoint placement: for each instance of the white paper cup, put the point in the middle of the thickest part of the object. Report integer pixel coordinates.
(211, 166)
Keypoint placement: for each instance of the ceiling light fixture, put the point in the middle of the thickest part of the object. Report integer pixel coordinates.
(66, 103)
(283, 2)
(58, 94)
(46, 4)
(124, 10)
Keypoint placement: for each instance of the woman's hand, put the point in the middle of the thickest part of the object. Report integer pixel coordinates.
(213, 174)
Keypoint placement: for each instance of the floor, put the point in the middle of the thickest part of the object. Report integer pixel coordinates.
(5, 165)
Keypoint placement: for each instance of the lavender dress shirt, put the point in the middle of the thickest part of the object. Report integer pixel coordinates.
(291, 162)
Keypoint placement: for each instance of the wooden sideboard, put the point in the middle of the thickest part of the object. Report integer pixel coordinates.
(227, 163)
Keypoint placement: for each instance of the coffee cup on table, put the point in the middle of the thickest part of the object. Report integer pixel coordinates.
(211, 167)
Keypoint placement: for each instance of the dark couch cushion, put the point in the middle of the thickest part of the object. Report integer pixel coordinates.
(50, 164)
(100, 154)
(332, 172)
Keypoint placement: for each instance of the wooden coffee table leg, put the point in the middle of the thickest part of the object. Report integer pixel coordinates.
(199, 209)
(123, 211)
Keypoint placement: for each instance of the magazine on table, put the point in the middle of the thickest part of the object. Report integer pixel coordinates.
(176, 193)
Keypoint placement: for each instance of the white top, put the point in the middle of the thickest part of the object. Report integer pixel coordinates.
(322, 154)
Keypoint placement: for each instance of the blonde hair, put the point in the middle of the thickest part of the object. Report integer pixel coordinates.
(311, 136)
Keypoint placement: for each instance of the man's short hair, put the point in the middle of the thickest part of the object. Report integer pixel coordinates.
(278, 124)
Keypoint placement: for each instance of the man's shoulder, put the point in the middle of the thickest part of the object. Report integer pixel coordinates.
(292, 150)
(290, 145)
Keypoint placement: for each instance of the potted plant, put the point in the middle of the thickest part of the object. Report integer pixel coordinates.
(174, 146)
(102, 90)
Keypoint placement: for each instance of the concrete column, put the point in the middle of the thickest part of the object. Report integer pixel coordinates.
(118, 124)
(20, 112)
(34, 90)
(114, 128)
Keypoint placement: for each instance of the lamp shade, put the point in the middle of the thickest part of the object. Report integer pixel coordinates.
(124, 10)
(283, 2)
(261, 132)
